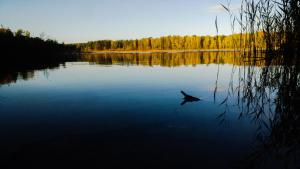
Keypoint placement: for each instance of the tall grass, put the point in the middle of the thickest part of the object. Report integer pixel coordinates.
(278, 20)
(269, 95)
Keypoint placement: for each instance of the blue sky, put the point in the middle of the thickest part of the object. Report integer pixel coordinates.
(84, 20)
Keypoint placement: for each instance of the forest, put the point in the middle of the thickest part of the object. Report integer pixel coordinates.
(20, 43)
(194, 42)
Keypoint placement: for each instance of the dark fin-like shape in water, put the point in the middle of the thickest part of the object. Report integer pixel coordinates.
(188, 97)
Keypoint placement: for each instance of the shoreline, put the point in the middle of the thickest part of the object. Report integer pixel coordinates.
(157, 51)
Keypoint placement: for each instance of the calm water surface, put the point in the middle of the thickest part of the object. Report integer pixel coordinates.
(124, 112)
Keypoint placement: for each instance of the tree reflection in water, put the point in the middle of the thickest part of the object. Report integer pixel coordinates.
(10, 72)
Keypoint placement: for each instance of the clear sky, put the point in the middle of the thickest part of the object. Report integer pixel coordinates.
(85, 20)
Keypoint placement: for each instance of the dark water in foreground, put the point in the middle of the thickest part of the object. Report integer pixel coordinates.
(126, 112)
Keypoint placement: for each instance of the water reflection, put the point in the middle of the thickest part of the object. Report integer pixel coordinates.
(264, 92)
(171, 59)
(270, 97)
(10, 73)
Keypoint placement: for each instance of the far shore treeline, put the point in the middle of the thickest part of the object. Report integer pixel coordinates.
(20, 42)
(21, 45)
(194, 42)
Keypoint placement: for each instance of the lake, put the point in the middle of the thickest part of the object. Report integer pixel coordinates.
(127, 111)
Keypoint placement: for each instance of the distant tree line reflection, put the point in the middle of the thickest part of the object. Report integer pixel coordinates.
(172, 59)
(11, 73)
